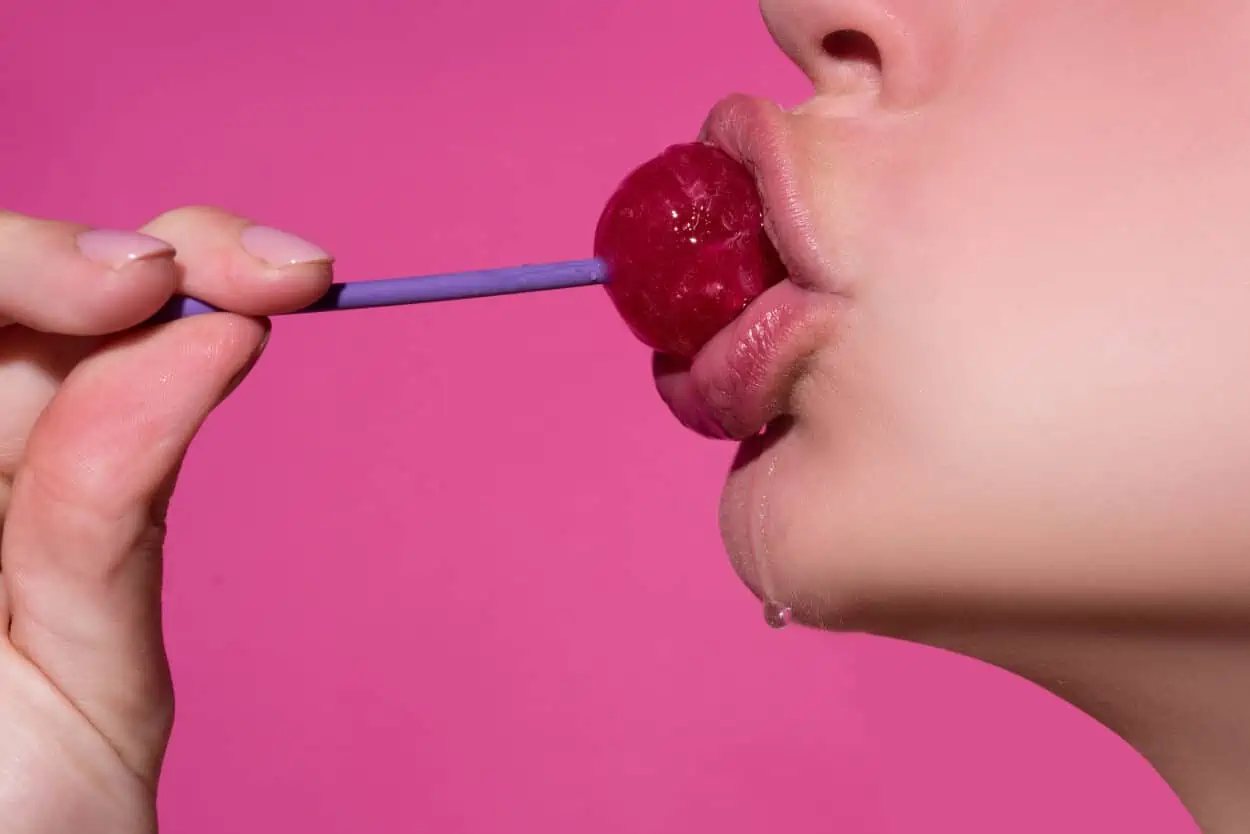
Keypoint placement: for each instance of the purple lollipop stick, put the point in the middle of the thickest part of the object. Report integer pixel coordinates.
(391, 292)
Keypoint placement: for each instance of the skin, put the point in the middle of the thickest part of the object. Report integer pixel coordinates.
(92, 432)
(1025, 441)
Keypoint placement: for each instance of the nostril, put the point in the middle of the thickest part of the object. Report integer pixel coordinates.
(853, 62)
(852, 47)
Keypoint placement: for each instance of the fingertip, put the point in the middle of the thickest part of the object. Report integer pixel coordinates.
(253, 358)
(295, 272)
(236, 264)
(119, 280)
(61, 278)
(226, 337)
(285, 289)
(265, 291)
(127, 295)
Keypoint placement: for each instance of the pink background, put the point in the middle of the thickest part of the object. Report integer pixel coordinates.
(453, 569)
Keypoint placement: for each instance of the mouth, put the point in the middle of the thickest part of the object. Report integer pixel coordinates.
(744, 378)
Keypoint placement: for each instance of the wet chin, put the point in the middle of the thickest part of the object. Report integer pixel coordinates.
(771, 534)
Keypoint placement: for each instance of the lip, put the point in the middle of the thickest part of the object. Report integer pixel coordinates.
(743, 378)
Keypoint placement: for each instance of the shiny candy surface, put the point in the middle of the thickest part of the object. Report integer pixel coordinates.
(684, 238)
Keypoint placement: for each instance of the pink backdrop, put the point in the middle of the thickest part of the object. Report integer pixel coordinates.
(453, 569)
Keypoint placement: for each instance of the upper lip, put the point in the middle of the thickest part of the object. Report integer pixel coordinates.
(742, 380)
(755, 132)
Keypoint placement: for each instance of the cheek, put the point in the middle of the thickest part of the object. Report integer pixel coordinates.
(972, 442)
(1042, 397)
(1063, 337)
(1066, 311)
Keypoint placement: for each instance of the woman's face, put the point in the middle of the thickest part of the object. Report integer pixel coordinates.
(1032, 392)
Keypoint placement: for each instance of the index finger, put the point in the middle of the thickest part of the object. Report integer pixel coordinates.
(64, 278)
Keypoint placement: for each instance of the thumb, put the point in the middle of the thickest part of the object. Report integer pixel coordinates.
(81, 552)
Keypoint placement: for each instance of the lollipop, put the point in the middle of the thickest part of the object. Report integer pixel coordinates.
(680, 247)
(684, 241)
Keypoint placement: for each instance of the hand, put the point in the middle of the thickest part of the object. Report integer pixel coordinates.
(95, 418)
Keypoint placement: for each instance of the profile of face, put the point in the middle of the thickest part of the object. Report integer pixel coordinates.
(1026, 384)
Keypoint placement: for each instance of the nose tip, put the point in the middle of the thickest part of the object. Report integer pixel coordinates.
(894, 52)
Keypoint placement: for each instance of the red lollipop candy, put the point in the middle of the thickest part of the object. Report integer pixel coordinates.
(681, 245)
(684, 240)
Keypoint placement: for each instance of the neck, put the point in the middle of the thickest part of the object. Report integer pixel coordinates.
(1180, 696)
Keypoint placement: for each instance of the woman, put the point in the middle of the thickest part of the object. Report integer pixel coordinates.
(1012, 422)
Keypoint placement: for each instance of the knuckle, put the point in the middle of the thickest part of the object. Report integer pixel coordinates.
(97, 536)
(194, 217)
(80, 490)
(10, 224)
(17, 230)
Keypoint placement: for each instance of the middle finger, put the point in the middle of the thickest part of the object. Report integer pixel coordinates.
(234, 264)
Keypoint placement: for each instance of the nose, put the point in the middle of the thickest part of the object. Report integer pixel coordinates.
(892, 53)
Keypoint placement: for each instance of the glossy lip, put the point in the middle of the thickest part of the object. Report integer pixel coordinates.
(743, 378)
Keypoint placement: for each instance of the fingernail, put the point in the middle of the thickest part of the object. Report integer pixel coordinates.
(278, 248)
(115, 249)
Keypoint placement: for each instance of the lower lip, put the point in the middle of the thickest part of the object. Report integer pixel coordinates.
(742, 379)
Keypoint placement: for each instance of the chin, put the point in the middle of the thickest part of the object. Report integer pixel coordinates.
(750, 525)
